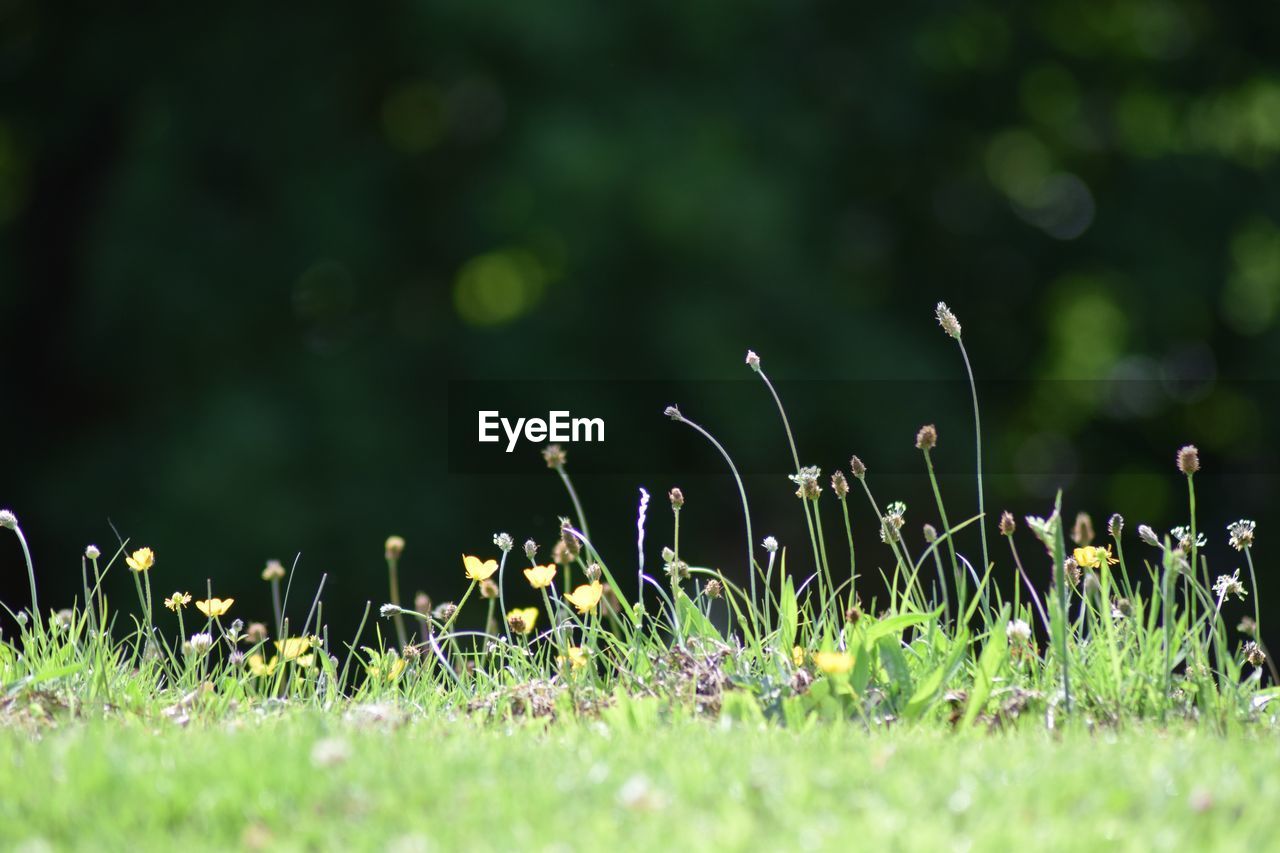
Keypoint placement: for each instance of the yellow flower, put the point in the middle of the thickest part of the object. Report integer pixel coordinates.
(214, 606)
(797, 655)
(477, 569)
(834, 663)
(389, 667)
(540, 576)
(141, 559)
(528, 617)
(1093, 556)
(295, 648)
(585, 597)
(177, 600)
(577, 657)
(260, 667)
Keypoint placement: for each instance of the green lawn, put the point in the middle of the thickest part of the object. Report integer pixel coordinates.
(377, 780)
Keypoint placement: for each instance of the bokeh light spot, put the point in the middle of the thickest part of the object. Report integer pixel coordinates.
(413, 117)
(1252, 293)
(498, 287)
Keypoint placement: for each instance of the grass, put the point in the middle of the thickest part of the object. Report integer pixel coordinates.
(372, 780)
(1103, 698)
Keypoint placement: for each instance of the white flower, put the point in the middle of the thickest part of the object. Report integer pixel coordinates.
(894, 518)
(1019, 631)
(1229, 585)
(389, 610)
(198, 644)
(8, 519)
(770, 544)
(92, 552)
(504, 541)
(1241, 534)
(1182, 535)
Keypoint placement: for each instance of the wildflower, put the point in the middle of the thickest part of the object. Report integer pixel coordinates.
(177, 600)
(388, 610)
(569, 538)
(947, 320)
(833, 663)
(1241, 534)
(1230, 584)
(214, 606)
(592, 571)
(256, 632)
(753, 361)
(63, 619)
(852, 614)
(770, 544)
(1189, 460)
(1115, 525)
(260, 667)
(1247, 626)
(1007, 524)
(141, 560)
(1082, 531)
(677, 570)
(530, 549)
(504, 542)
(577, 657)
(477, 569)
(857, 468)
(92, 552)
(235, 658)
(1072, 569)
(199, 643)
(8, 519)
(540, 576)
(1254, 654)
(522, 619)
(672, 412)
(488, 589)
(797, 656)
(444, 612)
(234, 632)
(393, 547)
(1018, 631)
(806, 480)
(553, 455)
(297, 649)
(275, 571)
(894, 518)
(585, 597)
(676, 497)
(1094, 556)
(713, 588)
(1182, 535)
(1147, 535)
(927, 437)
(839, 485)
(930, 533)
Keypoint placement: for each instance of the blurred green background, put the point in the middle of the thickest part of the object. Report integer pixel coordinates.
(243, 257)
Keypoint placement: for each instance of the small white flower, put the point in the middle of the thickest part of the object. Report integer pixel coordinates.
(388, 610)
(92, 552)
(8, 519)
(504, 542)
(770, 544)
(1018, 631)
(1182, 535)
(1147, 535)
(1241, 534)
(753, 361)
(1230, 584)
(894, 518)
(198, 644)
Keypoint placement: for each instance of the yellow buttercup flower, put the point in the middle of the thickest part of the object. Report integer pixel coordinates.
(540, 576)
(214, 606)
(141, 559)
(477, 569)
(797, 655)
(295, 648)
(1094, 556)
(177, 600)
(259, 666)
(833, 663)
(577, 657)
(585, 597)
(527, 617)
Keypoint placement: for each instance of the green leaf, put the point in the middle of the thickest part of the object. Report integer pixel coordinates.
(994, 654)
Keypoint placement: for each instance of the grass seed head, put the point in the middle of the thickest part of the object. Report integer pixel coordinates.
(770, 544)
(504, 542)
(530, 549)
(947, 320)
(592, 571)
(1189, 460)
(1147, 535)
(1082, 531)
(930, 533)
(8, 519)
(713, 589)
(857, 468)
(488, 589)
(554, 456)
(1115, 525)
(927, 437)
(1240, 534)
(676, 497)
(394, 547)
(422, 602)
(275, 571)
(1253, 654)
(839, 485)
(753, 361)
(1007, 524)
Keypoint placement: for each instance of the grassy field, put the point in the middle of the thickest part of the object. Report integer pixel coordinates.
(370, 779)
(1104, 699)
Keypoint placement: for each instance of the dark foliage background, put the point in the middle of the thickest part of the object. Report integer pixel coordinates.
(247, 261)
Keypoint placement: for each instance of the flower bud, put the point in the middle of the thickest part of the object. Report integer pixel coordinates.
(1007, 524)
(676, 497)
(1189, 460)
(553, 455)
(927, 437)
(857, 467)
(394, 547)
(92, 552)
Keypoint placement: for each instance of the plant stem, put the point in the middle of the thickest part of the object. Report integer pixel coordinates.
(393, 577)
(977, 433)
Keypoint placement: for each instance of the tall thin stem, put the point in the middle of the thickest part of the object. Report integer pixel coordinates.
(795, 457)
(977, 437)
(961, 580)
(573, 496)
